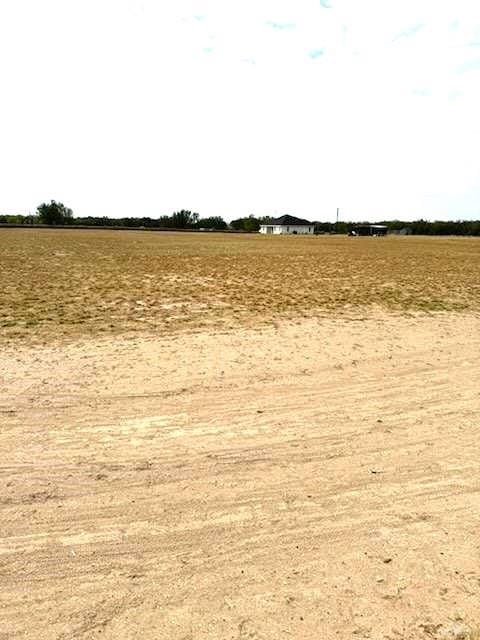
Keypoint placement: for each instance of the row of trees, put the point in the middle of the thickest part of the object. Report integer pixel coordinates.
(56, 213)
(415, 227)
(250, 223)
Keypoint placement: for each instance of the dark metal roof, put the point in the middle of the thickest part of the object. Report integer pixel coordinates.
(290, 221)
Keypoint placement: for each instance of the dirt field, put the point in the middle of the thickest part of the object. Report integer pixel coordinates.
(73, 283)
(308, 470)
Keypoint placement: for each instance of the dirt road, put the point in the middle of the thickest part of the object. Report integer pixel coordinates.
(320, 479)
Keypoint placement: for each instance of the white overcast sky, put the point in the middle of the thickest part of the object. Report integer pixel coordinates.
(237, 107)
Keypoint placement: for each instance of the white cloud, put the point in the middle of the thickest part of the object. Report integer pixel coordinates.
(140, 107)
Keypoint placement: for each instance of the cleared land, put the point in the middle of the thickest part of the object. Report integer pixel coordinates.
(212, 466)
(71, 283)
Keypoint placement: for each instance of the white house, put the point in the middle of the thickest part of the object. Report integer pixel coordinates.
(288, 224)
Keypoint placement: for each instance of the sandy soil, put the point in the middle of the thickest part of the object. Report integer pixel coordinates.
(320, 479)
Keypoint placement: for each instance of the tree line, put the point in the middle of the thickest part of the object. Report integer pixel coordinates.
(415, 227)
(56, 213)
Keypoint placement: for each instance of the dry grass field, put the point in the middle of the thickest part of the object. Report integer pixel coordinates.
(68, 283)
(215, 437)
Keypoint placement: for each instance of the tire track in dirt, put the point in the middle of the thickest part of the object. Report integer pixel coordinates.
(338, 495)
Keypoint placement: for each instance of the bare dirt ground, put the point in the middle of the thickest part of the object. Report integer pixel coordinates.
(318, 479)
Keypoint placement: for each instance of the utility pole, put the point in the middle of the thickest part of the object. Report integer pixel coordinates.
(336, 225)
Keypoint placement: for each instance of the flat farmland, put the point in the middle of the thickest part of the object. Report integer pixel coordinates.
(61, 283)
(228, 437)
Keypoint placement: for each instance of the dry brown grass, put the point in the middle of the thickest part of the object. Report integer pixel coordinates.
(69, 283)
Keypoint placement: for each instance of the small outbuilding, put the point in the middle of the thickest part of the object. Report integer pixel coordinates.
(288, 225)
(369, 230)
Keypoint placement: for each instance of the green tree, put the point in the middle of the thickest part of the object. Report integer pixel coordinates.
(246, 224)
(213, 222)
(184, 219)
(54, 213)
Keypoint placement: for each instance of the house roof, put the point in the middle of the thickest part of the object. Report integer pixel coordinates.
(290, 221)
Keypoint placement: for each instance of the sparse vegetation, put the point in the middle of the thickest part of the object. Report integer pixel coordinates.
(56, 283)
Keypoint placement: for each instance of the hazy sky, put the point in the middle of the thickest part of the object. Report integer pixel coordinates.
(232, 107)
